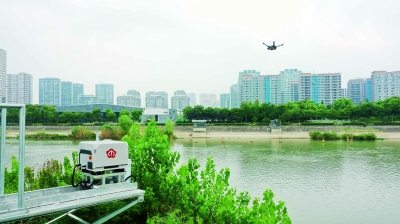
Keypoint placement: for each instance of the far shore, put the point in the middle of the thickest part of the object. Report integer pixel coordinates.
(227, 135)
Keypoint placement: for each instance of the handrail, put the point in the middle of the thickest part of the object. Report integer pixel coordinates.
(21, 157)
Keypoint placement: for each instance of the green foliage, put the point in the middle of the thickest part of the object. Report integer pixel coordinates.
(186, 194)
(330, 136)
(96, 114)
(124, 123)
(136, 114)
(79, 132)
(110, 115)
(50, 174)
(317, 135)
(169, 128)
(43, 135)
(110, 132)
(125, 112)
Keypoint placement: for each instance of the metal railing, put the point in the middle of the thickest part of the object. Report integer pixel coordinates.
(21, 157)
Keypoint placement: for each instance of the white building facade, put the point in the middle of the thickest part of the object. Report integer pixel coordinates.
(3, 76)
(19, 88)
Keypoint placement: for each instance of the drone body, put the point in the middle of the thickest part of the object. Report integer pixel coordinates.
(273, 46)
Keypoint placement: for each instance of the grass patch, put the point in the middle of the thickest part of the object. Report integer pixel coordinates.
(317, 135)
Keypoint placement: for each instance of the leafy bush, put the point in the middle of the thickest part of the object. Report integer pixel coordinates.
(110, 132)
(316, 124)
(366, 136)
(315, 135)
(79, 132)
(125, 123)
(169, 128)
(330, 136)
(187, 195)
(43, 135)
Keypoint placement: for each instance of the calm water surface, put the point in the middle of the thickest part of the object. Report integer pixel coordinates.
(338, 182)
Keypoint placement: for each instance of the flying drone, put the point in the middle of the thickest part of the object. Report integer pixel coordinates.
(273, 46)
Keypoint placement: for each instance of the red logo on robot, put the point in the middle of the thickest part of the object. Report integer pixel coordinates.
(111, 153)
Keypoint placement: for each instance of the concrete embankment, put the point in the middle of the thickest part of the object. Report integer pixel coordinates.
(240, 131)
(294, 132)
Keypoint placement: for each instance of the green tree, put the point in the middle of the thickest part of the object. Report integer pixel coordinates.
(67, 117)
(124, 123)
(49, 114)
(96, 114)
(188, 113)
(169, 128)
(12, 115)
(125, 112)
(33, 113)
(110, 115)
(136, 115)
(88, 116)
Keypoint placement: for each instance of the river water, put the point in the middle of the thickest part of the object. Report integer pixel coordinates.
(335, 182)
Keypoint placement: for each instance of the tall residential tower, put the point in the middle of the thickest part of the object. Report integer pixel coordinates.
(105, 93)
(3, 76)
(50, 91)
(19, 88)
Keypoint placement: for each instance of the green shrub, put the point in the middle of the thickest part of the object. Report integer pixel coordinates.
(366, 136)
(110, 132)
(330, 136)
(316, 124)
(124, 123)
(79, 132)
(315, 135)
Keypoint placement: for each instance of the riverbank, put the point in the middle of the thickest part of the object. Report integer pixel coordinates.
(184, 134)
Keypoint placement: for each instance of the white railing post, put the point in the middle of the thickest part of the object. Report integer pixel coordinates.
(3, 150)
(21, 179)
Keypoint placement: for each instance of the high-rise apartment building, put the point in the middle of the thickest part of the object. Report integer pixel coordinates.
(368, 89)
(385, 84)
(132, 98)
(225, 100)
(208, 100)
(3, 76)
(157, 100)
(356, 89)
(234, 96)
(19, 88)
(66, 93)
(105, 93)
(294, 91)
(321, 88)
(345, 93)
(179, 100)
(77, 90)
(285, 80)
(192, 99)
(50, 91)
(70, 93)
(248, 86)
(272, 91)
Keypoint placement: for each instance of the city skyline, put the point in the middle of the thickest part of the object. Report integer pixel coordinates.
(195, 46)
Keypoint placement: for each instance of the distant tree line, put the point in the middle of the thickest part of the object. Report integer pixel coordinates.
(385, 110)
(49, 115)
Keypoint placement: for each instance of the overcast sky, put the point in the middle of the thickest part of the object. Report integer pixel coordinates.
(196, 46)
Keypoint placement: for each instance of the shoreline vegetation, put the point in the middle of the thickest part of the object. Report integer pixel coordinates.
(317, 135)
(193, 194)
(114, 131)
